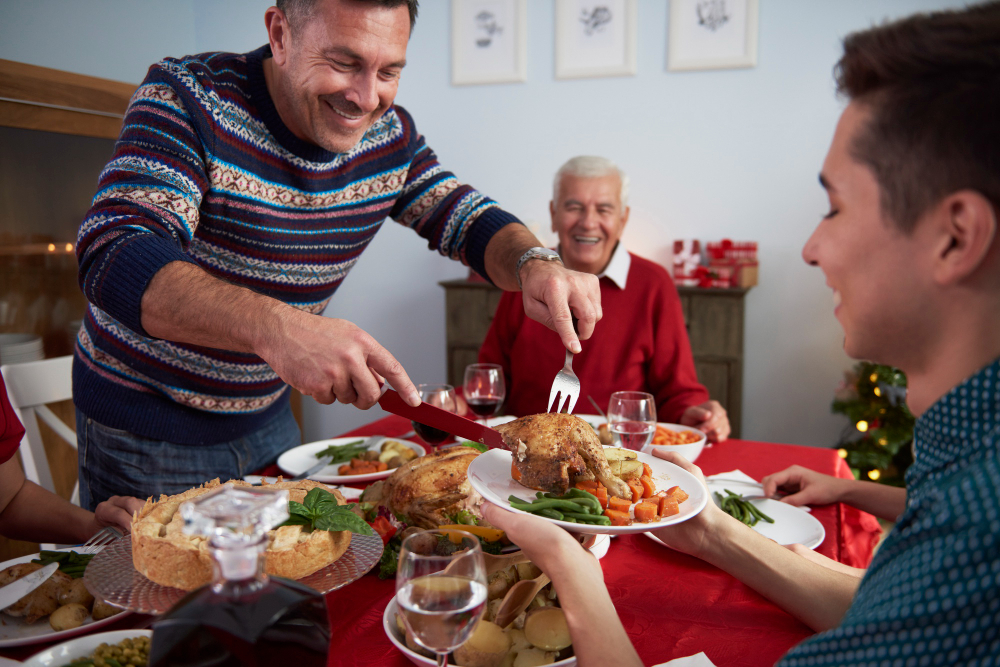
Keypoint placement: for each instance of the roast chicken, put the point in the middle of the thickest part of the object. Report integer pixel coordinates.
(430, 489)
(40, 602)
(551, 451)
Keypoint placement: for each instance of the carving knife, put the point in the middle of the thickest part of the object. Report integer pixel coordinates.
(16, 590)
(429, 415)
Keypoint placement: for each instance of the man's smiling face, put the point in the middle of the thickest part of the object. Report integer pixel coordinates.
(589, 218)
(336, 71)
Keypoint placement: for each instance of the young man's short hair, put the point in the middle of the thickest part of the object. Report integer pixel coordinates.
(932, 85)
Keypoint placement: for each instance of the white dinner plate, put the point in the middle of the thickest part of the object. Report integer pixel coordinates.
(489, 474)
(15, 632)
(299, 459)
(791, 524)
(80, 647)
(399, 641)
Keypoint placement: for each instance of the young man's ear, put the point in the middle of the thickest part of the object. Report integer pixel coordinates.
(968, 229)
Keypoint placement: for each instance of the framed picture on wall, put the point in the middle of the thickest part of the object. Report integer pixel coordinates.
(712, 34)
(488, 41)
(595, 38)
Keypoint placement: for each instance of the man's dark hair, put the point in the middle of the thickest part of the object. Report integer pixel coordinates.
(299, 10)
(932, 85)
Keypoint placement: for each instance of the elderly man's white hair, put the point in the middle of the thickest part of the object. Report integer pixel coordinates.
(590, 166)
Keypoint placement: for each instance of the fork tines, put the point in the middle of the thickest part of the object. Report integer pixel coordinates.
(101, 539)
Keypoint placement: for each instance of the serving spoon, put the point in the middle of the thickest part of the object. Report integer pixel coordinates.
(518, 598)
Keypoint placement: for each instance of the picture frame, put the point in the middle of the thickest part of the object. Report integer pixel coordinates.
(489, 41)
(712, 34)
(596, 38)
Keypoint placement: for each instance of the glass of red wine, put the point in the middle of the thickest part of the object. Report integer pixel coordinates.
(440, 396)
(484, 389)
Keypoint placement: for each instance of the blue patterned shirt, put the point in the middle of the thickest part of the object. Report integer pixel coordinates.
(932, 593)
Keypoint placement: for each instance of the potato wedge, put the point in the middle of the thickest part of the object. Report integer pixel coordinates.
(630, 470)
(104, 610)
(619, 454)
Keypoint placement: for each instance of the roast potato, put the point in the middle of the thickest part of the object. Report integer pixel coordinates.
(103, 610)
(487, 647)
(534, 657)
(68, 616)
(546, 629)
(75, 591)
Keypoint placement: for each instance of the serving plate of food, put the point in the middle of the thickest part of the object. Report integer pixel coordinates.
(85, 647)
(350, 467)
(54, 595)
(685, 440)
(152, 568)
(537, 636)
(555, 463)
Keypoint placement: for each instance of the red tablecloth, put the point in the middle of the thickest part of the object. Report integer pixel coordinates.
(672, 605)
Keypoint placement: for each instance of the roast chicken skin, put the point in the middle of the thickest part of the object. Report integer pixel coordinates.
(40, 602)
(429, 489)
(551, 450)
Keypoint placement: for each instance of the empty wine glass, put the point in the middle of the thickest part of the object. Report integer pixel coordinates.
(440, 396)
(441, 588)
(484, 389)
(632, 418)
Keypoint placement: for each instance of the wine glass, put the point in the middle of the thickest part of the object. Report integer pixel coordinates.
(632, 418)
(484, 389)
(440, 396)
(441, 588)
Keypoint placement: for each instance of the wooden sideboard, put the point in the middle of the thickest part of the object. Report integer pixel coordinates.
(714, 319)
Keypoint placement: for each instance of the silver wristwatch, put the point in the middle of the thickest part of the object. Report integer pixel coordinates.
(543, 254)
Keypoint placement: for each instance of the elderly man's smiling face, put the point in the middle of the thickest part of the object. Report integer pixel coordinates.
(589, 218)
(336, 70)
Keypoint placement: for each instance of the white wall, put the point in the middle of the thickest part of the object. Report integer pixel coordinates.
(711, 154)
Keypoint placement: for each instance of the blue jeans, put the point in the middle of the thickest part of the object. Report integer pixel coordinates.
(117, 463)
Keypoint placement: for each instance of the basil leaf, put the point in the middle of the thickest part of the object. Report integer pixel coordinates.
(319, 501)
(298, 520)
(298, 509)
(343, 519)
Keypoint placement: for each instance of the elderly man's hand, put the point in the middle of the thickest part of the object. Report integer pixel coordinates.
(710, 418)
(554, 295)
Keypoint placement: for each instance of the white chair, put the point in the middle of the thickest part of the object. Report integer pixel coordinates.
(31, 386)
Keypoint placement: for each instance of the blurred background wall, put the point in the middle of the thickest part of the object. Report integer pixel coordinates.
(711, 154)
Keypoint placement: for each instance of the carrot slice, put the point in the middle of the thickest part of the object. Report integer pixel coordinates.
(668, 506)
(637, 490)
(515, 474)
(645, 512)
(618, 518)
(646, 470)
(586, 485)
(602, 495)
(619, 504)
(344, 469)
(382, 466)
(678, 493)
(648, 486)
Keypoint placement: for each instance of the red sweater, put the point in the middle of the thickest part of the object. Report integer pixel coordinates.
(11, 430)
(640, 344)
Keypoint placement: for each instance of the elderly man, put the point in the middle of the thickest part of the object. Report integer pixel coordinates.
(911, 249)
(641, 343)
(242, 190)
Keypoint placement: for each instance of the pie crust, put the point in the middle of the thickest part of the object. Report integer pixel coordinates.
(166, 555)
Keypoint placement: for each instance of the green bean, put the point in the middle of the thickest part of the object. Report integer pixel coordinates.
(600, 520)
(759, 514)
(551, 514)
(561, 505)
(585, 498)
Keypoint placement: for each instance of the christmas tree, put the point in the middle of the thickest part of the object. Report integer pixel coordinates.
(876, 443)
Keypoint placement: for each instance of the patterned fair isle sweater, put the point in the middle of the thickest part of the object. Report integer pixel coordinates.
(205, 172)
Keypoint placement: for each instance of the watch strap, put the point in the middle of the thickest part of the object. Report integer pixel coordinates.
(543, 254)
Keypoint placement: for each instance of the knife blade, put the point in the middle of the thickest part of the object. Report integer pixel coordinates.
(435, 417)
(16, 590)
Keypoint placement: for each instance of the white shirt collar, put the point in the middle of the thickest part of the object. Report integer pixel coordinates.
(617, 269)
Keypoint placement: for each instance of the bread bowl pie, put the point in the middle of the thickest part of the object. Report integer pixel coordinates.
(163, 553)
